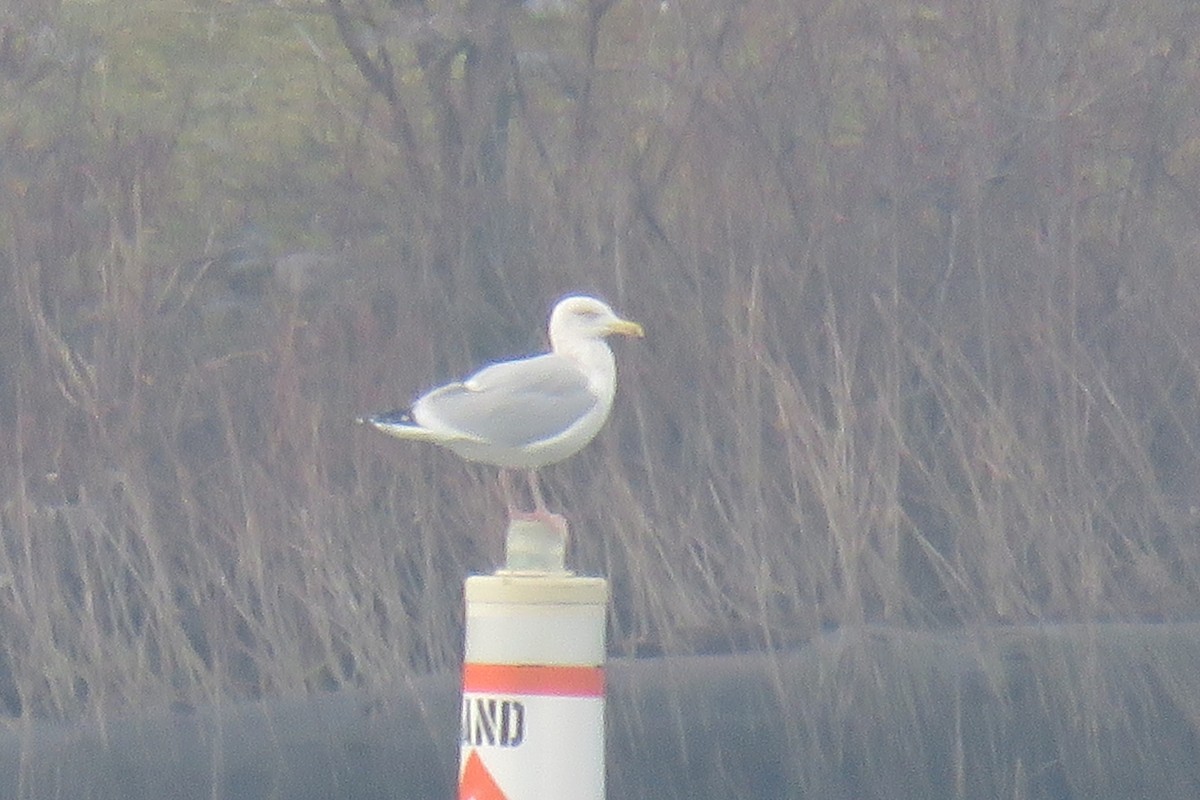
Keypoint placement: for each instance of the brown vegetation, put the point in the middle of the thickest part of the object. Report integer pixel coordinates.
(919, 282)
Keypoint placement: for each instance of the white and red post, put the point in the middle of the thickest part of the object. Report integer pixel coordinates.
(533, 687)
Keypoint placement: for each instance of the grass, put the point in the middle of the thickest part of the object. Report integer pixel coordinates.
(918, 284)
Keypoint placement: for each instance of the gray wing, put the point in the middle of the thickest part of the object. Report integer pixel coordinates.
(511, 404)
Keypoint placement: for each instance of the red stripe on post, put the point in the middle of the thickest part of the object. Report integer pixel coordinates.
(535, 679)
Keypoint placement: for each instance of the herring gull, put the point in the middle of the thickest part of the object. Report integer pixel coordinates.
(530, 412)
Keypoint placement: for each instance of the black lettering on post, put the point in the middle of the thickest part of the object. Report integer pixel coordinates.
(488, 721)
(512, 724)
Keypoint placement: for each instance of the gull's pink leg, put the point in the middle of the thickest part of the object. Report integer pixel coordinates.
(535, 489)
(510, 501)
(541, 513)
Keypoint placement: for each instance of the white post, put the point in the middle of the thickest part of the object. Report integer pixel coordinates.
(533, 680)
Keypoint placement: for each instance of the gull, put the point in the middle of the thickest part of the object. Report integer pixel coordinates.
(529, 412)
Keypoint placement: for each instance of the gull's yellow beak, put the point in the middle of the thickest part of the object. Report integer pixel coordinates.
(625, 327)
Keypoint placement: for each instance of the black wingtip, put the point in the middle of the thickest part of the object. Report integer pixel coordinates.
(400, 417)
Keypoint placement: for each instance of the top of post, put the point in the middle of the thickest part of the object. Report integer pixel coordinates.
(532, 546)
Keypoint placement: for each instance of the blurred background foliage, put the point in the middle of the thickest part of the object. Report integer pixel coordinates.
(919, 281)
